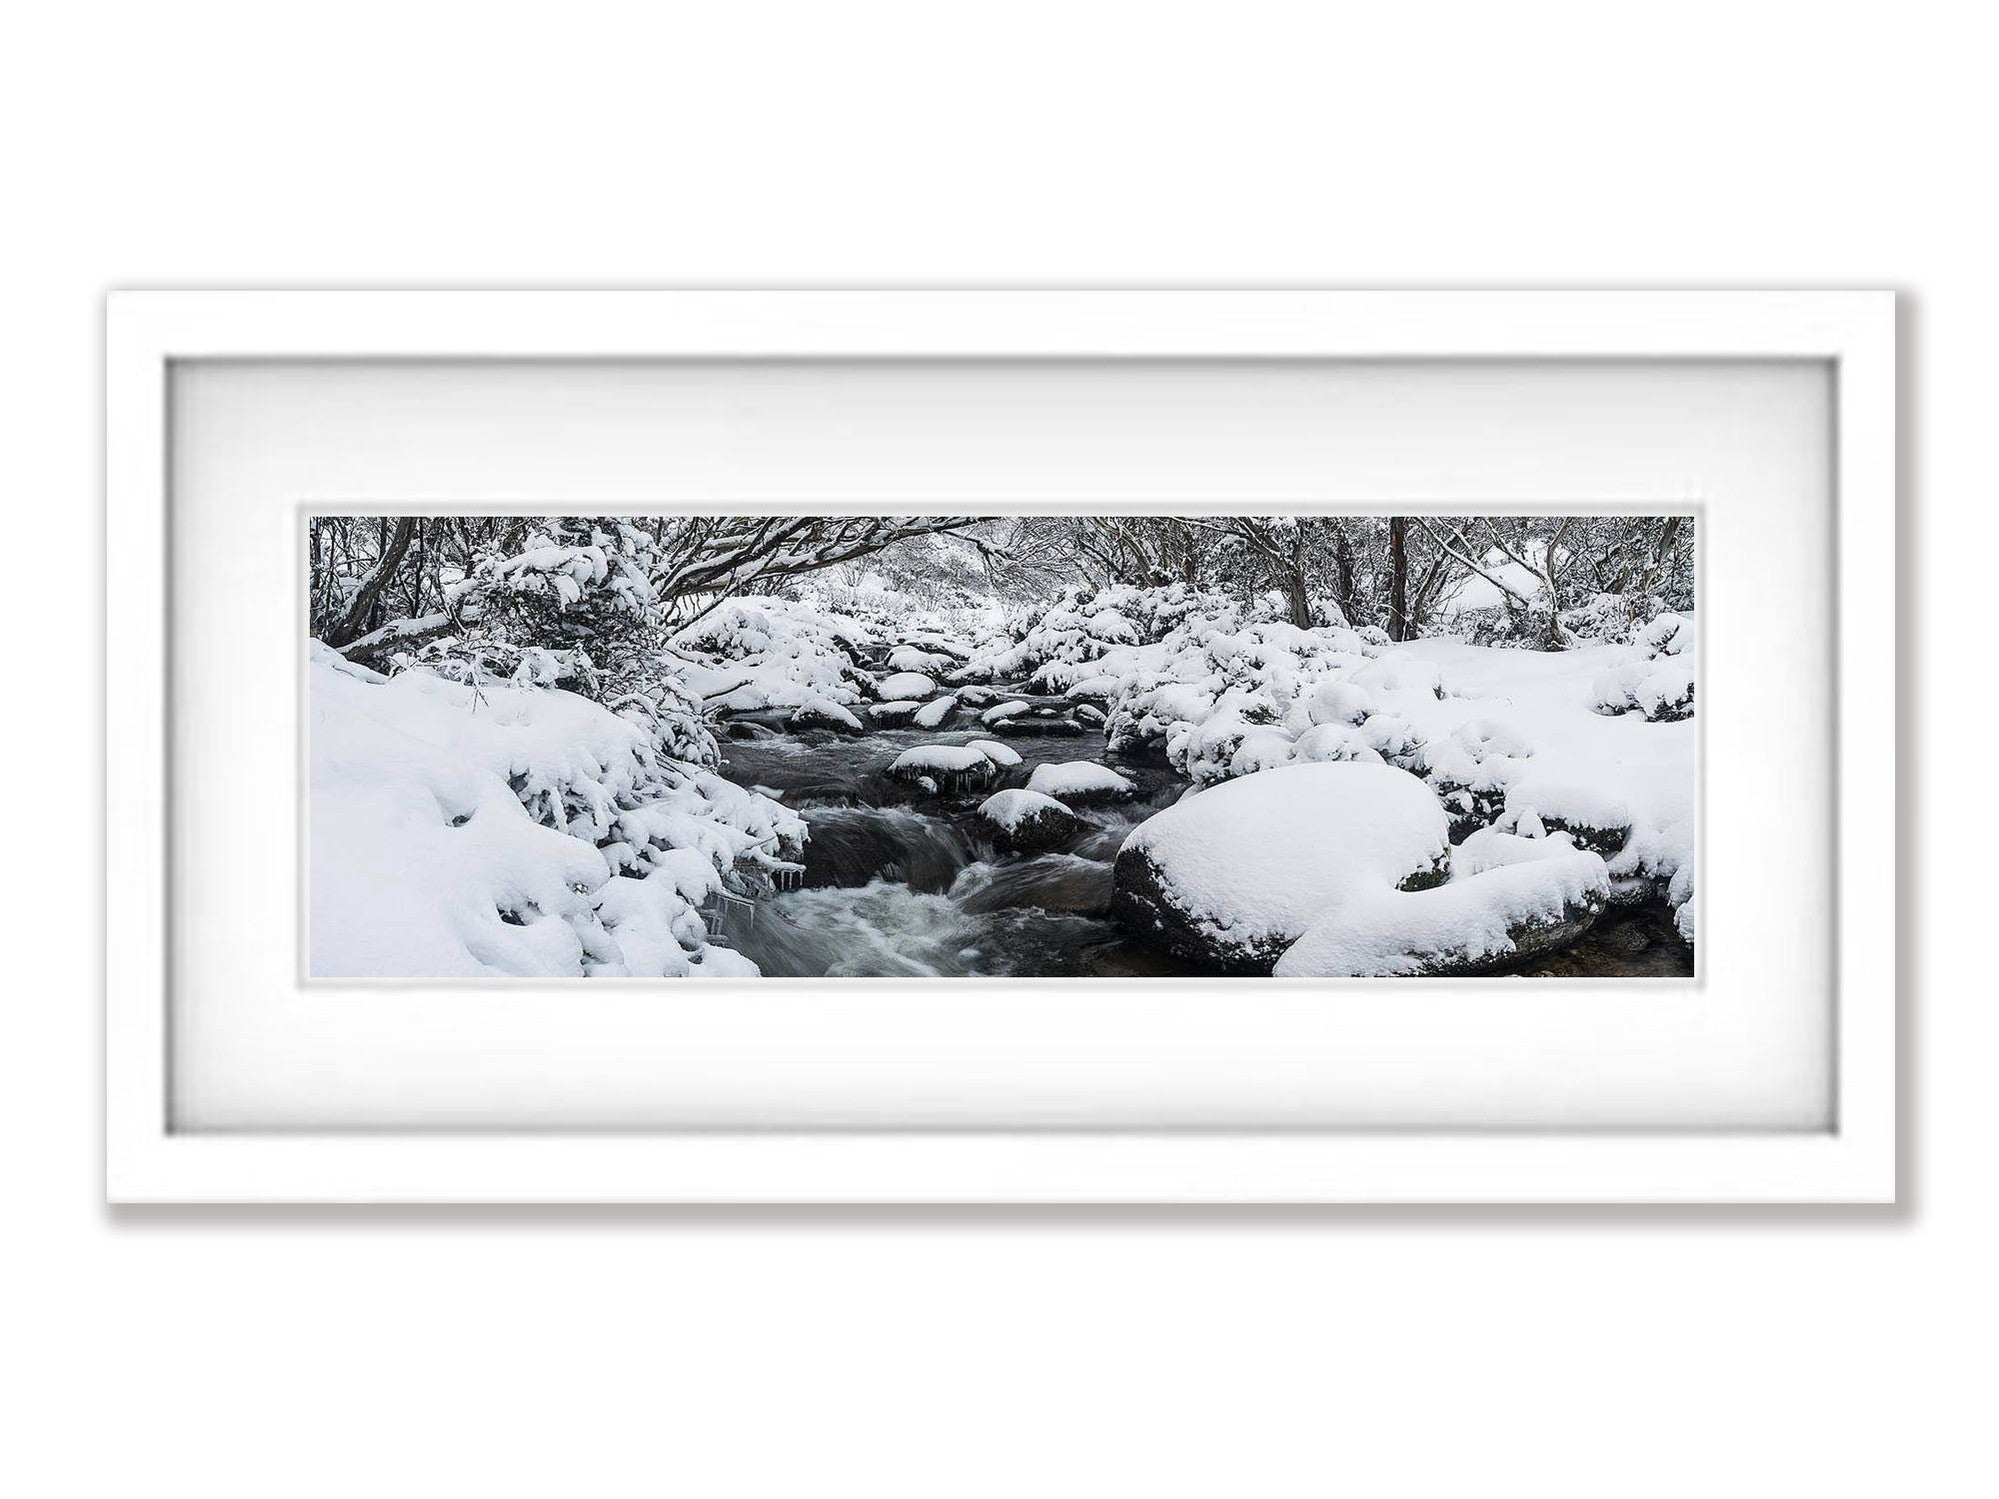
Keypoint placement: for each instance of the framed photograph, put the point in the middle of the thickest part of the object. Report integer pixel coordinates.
(1267, 746)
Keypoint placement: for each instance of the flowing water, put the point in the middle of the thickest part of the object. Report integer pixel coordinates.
(901, 882)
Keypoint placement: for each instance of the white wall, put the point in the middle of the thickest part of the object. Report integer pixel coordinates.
(989, 1353)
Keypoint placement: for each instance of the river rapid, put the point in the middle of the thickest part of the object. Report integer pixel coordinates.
(901, 882)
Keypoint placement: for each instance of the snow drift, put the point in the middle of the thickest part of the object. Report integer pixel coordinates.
(463, 830)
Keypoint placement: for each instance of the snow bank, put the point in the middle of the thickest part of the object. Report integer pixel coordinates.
(466, 832)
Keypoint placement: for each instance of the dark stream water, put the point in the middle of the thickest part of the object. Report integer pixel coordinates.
(901, 882)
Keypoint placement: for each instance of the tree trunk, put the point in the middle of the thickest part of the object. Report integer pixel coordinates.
(1294, 582)
(354, 623)
(1343, 581)
(1398, 577)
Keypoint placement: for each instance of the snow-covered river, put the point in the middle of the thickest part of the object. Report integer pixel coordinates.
(902, 882)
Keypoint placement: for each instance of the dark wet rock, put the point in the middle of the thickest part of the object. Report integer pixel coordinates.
(1142, 904)
(850, 846)
(1606, 841)
(1033, 723)
(1638, 942)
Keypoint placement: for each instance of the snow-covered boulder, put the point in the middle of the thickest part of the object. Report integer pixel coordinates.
(914, 658)
(905, 686)
(949, 767)
(1005, 756)
(1079, 780)
(933, 713)
(1232, 876)
(1582, 803)
(1509, 910)
(1028, 822)
(824, 713)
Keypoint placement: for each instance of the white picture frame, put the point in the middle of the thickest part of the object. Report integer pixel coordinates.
(1849, 1158)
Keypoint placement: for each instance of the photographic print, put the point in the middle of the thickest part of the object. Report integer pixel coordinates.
(1028, 746)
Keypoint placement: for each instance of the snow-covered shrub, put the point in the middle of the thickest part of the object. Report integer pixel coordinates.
(1048, 644)
(1221, 703)
(670, 715)
(1656, 677)
(753, 653)
(577, 585)
(1612, 618)
(944, 620)
(1470, 769)
(1519, 628)
(480, 658)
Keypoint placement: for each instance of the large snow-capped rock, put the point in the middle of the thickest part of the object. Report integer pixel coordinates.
(906, 686)
(1232, 876)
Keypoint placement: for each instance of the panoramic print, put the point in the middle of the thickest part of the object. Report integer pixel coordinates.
(1027, 746)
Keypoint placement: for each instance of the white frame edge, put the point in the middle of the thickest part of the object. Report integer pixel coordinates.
(145, 1163)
